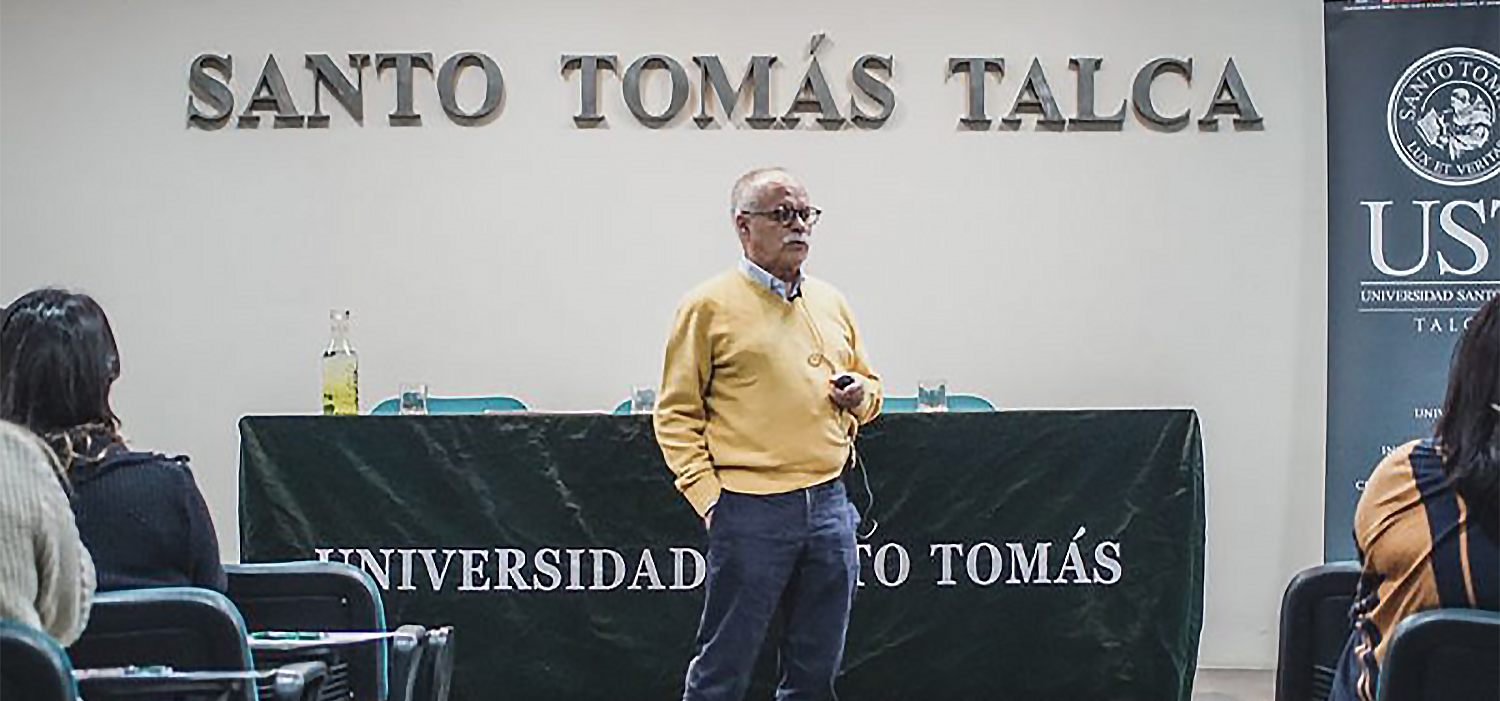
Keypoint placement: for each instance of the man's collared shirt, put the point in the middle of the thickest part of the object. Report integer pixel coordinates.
(771, 282)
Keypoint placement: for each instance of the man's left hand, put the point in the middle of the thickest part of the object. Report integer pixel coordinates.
(851, 395)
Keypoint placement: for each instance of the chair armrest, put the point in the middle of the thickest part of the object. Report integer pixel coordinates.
(299, 681)
(121, 684)
(406, 656)
(436, 677)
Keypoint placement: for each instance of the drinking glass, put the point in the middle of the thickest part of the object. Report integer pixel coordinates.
(932, 395)
(412, 398)
(642, 399)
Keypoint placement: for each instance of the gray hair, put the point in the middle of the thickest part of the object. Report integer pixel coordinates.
(747, 190)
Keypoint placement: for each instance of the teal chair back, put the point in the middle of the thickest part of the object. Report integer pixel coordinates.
(1315, 625)
(185, 628)
(35, 668)
(455, 405)
(317, 596)
(1442, 654)
(956, 402)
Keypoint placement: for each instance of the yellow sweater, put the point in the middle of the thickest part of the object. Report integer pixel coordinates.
(743, 407)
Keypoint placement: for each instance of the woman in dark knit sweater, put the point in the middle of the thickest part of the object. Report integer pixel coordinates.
(140, 513)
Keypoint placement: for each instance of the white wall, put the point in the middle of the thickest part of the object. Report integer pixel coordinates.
(1128, 269)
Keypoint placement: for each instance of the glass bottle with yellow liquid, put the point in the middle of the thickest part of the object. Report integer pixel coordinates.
(340, 367)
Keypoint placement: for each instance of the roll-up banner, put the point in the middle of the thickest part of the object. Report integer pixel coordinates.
(1413, 222)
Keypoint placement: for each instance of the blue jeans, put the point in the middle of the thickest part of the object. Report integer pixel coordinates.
(794, 552)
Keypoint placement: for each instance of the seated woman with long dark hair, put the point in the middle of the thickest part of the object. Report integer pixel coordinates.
(140, 513)
(1426, 525)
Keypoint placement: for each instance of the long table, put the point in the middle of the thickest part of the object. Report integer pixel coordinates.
(1019, 554)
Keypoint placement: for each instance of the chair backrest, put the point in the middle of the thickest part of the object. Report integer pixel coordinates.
(455, 405)
(317, 596)
(185, 628)
(895, 404)
(34, 667)
(1315, 624)
(1443, 654)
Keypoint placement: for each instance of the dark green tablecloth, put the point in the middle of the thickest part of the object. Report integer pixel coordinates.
(508, 526)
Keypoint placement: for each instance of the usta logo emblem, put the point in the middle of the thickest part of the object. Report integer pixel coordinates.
(1441, 116)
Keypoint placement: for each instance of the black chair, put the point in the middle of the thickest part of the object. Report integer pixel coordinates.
(331, 596)
(1315, 624)
(32, 666)
(187, 629)
(1443, 655)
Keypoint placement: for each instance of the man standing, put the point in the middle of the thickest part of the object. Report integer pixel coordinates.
(764, 387)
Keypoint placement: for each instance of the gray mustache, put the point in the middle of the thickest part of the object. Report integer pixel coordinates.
(794, 238)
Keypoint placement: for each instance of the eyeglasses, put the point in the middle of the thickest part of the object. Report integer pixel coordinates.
(785, 215)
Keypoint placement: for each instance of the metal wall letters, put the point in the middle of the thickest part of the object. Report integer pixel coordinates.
(447, 85)
(211, 101)
(633, 89)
